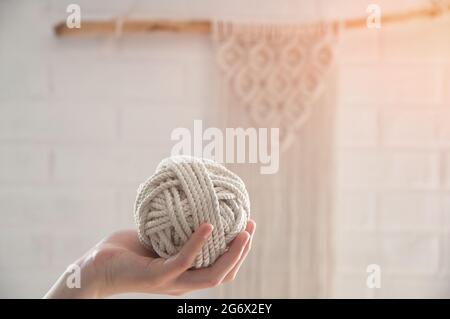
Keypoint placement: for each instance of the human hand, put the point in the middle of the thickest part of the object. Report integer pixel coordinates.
(120, 264)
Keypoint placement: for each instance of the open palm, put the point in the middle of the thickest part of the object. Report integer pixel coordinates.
(121, 264)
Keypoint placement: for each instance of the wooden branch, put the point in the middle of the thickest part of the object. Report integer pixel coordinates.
(204, 26)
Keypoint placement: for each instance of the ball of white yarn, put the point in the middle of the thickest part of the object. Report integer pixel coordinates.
(183, 193)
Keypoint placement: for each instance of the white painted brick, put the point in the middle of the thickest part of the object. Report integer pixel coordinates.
(445, 252)
(64, 122)
(446, 170)
(414, 287)
(24, 164)
(358, 46)
(350, 286)
(279, 11)
(410, 170)
(24, 69)
(412, 211)
(416, 41)
(408, 128)
(415, 84)
(409, 253)
(342, 9)
(159, 81)
(357, 8)
(446, 214)
(105, 166)
(446, 86)
(74, 210)
(178, 8)
(399, 66)
(357, 168)
(160, 48)
(24, 248)
(23, 77)
(98, 8)
(355, 250)
(64, 249)
(44, 248)
(356, 209)
(19, 49)
(155, 125)
(125, 216)
(202, 71)
(357, 126)
(391, 169)
(443, 127)
(28, 282)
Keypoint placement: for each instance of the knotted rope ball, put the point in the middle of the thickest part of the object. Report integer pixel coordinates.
(183, 193)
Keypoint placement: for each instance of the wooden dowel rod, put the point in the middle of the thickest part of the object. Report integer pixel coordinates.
(134, 26)
(398, 17)
(204, 26)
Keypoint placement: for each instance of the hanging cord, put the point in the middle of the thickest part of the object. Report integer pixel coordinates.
(118, 31)
(121, 18)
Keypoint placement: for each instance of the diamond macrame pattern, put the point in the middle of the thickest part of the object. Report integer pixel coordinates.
(275, 71)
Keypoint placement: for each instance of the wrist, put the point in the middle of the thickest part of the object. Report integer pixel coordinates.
(77, 282)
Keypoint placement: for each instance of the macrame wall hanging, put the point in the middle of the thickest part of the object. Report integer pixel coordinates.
(276, 73)
(283, 76)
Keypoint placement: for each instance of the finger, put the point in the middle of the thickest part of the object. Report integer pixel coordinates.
(251, 226)
(185, 258)
(213, 275)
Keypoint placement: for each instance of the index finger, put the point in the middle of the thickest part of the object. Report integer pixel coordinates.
(213, 275)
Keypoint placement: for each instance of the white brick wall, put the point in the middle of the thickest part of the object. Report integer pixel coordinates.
(393, 162)
(24, 164)
(83, 121)
(53, 121)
